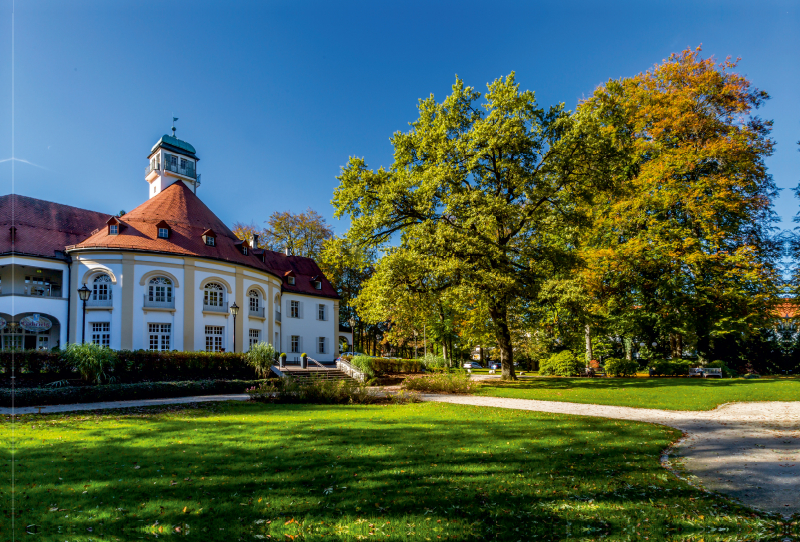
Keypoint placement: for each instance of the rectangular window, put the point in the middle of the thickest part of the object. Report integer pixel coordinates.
(160, 336)
(209, 240)
(101, 333)
(172, 160)
(295, 343)
(294, 309)
(290, 280)
(317, 285)
(321, 345)
(163, 233)
(321, 312)
(214, 338)
(43, 342)
(113, 229)
(255, 337)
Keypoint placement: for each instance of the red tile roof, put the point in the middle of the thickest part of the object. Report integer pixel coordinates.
(43, 227)
(189, 218)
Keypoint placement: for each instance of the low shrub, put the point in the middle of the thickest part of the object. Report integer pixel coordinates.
(433, 362)
(377, 367)
(621, 367)
(314, 390)
(261, 357)
(120, 392)
(564, 363)
(670, 367)
(440, 382)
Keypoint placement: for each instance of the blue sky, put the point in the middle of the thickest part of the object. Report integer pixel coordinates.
(275, 96)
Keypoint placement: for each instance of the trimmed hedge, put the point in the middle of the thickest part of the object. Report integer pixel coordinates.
(121, 392)
(671, 367)
(377, 367)
(621, 367)
(143, 363)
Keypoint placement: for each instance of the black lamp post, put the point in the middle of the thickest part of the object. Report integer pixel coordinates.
(234, 312)
(84, 293)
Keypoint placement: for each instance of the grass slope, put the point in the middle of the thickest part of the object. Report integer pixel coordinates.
(660, 393)
(416, 472)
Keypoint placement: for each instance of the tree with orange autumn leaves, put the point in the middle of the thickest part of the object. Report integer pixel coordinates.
(681, 245)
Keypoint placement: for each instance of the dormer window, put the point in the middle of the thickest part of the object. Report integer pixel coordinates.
(210, 238)
(244, 250)
(317, 285)
(163, 229)
(290, 280)
(113, 229)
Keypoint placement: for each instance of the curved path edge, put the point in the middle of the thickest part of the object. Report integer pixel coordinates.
(748, 451)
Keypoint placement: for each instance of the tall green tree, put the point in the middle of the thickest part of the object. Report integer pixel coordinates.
(683, 246)
(482, 190)
(297, 234)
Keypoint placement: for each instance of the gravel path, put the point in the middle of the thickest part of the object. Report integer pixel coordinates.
(750, 451)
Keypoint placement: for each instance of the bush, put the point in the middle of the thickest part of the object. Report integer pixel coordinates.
(261, 357)
(433, 362)
(561, 364)
(120, 392)
(314, 390)
(377, 367)
(621, 367)
(670, 367)
(455, 382)
(91, 360)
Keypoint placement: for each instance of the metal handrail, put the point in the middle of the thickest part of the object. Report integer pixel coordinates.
(216, 308)
(259, 312)
(185, 171)
(153, 304)
(318, 363)
(99, 302)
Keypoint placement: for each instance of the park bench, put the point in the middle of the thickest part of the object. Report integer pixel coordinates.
(705, 372)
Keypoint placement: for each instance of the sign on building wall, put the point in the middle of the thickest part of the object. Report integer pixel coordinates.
(36, 323)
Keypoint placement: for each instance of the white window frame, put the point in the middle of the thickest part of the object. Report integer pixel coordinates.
(101, 333)
(322, 312)
(255, 337)
(320, 345)
(290, 280)
(294, 309)
(113, 229)
(163, 233)
(295, 343)
(159, 337)
(160, 289)
(215, 336)
(210, 241)
(255, 300)
(101, 288)
(216, 292)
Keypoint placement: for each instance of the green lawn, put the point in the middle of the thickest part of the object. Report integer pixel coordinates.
(661, 393)
(416, 472)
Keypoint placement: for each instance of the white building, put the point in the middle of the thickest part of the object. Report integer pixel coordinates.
(162, 277)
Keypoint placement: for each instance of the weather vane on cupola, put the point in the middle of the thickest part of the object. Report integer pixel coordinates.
(173, 125)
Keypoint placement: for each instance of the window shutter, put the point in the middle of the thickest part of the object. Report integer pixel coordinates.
(287, 311)
(325, 312)
(318, 350)
(300, 309)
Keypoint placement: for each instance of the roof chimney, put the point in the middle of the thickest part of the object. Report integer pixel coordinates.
(286, 250)
(255, 240)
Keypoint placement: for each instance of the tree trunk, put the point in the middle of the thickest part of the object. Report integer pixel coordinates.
(499, 314)
(672, 346)
(480, 353)
(587, 329)
(679, 345)
(628, 348)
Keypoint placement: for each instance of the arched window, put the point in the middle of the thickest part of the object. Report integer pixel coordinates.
(255, 300)
(213, 295)
(101, 288)
(160, 290)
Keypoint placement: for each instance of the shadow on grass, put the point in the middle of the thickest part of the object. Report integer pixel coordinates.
(411, 472)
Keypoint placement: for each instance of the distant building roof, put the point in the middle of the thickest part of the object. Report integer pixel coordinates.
(178, 145)
(43, 227)
(189, 219)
